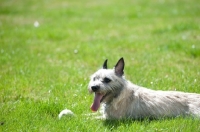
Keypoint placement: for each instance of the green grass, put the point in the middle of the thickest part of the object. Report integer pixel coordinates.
(46, 69)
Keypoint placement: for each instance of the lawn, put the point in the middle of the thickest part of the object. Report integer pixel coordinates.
(49, 49)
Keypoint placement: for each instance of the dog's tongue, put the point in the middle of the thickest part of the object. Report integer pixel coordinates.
(96, 104)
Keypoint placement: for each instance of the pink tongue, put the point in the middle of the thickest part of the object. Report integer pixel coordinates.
(96, 104)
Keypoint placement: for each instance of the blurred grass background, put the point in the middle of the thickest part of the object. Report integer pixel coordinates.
(49, 48)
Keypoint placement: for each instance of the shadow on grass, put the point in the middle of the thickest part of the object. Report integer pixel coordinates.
(114, 124)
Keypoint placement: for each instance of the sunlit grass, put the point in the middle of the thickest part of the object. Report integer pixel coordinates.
(45, 68)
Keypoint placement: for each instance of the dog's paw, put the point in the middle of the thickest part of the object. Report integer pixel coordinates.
(65, 112)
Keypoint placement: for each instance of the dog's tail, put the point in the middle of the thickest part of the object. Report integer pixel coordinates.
(65, 112)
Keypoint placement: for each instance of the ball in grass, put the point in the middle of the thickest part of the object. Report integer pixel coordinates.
(65, 112)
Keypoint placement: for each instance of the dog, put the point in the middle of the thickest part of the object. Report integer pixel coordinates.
(122, 99)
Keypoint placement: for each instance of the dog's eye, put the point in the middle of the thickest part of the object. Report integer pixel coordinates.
(106, 80)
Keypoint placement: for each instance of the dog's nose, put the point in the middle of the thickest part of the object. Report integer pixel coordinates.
(95, 88)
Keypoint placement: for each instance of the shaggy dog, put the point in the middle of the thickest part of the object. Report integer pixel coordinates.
(122, 99)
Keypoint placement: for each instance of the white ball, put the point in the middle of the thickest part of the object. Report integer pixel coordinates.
(65, 112)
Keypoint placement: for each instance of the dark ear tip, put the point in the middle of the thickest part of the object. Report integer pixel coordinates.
(105, 64)
(121, 60)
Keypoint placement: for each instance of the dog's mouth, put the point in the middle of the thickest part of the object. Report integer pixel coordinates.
(98, 98)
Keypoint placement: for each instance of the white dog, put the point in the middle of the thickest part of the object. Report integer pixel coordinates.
(122, 99)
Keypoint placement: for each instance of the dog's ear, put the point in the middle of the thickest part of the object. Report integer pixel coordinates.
(105, 64)
(119, 67)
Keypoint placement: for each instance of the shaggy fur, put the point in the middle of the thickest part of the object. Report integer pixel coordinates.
(123, 99)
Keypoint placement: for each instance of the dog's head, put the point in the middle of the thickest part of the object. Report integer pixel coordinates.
(107, 83)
